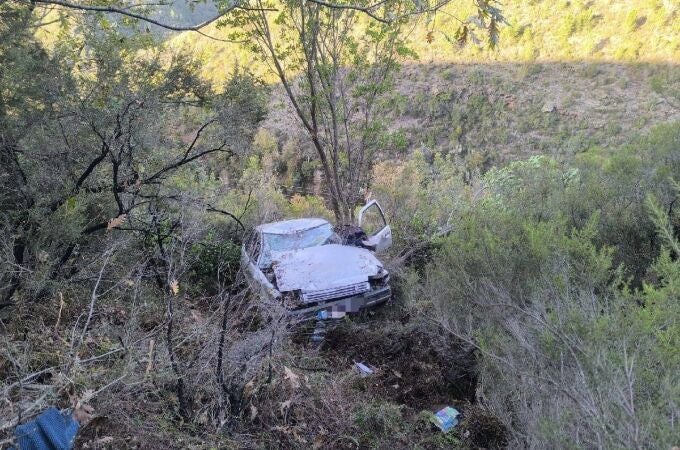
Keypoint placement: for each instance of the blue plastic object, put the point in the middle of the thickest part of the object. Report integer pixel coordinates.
(446, 418)
(51, 430)
(325, 315)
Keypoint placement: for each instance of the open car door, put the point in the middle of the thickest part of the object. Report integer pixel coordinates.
(372, 221)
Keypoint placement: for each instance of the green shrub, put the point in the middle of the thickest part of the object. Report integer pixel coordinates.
(213, 259)
(566, 279)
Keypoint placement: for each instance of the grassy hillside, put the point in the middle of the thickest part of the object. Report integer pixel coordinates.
(494, 112)
(567, 76)
(538, 30)
(615, 30)
(483, 115)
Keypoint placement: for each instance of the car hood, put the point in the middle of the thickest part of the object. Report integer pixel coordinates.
(324, 267)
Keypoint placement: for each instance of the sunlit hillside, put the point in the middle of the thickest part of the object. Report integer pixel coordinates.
(537, 30)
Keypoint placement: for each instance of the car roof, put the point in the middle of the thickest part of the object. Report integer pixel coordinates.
(291, 226)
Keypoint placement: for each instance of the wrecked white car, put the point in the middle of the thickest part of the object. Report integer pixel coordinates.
(306, 266)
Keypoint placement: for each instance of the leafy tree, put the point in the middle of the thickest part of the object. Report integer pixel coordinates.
(94, 149)
(335, 66)
(107, 144)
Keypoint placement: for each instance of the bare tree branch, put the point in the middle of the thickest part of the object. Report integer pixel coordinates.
(370, 9)
(125, 12)
(227, 213)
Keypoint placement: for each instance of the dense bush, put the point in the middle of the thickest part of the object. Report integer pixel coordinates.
(566, 279)
(112, 224)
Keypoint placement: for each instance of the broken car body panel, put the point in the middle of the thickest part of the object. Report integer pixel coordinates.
(302, 263)
(326, 267)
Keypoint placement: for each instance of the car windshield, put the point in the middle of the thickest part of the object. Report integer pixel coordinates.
(312, 237)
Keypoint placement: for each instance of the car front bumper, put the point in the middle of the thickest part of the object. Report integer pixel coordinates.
(347, 305)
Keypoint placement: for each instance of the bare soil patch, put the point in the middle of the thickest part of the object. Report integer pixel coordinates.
(416, 366)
